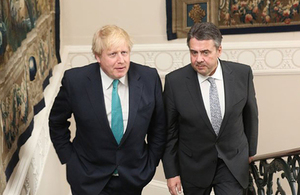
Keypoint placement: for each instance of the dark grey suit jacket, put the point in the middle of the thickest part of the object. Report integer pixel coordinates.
(94, 153)
(192, 146)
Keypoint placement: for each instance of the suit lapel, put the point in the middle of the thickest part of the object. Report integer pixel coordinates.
(95, 93)
(135, 94)
(193, 86)
(229, 88)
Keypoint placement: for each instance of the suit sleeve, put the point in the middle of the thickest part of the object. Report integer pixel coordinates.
(157, 135)
(170, 158)
(250, 117)
(59, 124)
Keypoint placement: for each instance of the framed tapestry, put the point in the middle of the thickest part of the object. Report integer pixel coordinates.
(233, 16)
(186, 12)
(29, 48)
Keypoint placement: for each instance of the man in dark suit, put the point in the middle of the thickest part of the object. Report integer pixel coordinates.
(209, 145)
(100, 160)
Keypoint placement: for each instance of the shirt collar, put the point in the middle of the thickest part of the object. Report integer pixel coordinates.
(107, 81)
(217, 75)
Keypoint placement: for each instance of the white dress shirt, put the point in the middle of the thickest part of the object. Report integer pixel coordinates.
(205, 85)
(123, 90)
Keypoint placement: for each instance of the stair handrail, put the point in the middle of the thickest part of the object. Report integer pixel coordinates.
(283, 153)
(287, 162)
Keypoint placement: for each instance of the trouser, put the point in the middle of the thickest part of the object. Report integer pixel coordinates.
(224, 183)
(115, 187)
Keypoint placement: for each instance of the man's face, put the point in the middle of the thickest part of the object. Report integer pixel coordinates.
(115, 61)
(204, 56)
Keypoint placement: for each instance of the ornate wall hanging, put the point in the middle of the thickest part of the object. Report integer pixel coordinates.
(29, 48)
(233, 16)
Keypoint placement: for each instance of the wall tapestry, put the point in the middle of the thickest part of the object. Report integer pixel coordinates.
(233, 16)
(29, 48)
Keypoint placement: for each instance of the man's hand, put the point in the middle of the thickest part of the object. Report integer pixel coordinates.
(250, 159)
(174, 185)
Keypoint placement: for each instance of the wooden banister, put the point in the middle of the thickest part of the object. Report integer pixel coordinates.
(262, 173)
(283, 153)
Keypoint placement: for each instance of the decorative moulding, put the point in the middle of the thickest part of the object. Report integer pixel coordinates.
(265, 58)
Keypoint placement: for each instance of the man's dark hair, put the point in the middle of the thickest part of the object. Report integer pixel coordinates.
(205, 31)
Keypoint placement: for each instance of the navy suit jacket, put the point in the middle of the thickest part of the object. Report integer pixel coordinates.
(192, 146)
(94, 154)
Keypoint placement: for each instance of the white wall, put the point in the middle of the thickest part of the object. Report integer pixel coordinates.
(275, 58)
(144, 20)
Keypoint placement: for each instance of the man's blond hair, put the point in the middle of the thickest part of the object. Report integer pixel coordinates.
(108, 36)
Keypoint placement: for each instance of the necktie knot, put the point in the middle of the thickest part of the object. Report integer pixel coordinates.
(115, 83)
(211, 80)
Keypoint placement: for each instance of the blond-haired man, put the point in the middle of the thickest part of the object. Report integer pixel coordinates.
(99, 160)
